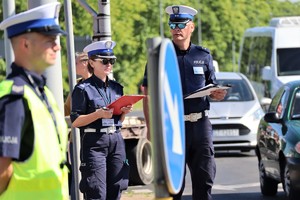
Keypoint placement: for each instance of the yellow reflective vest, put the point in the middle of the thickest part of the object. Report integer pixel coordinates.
(41, 176)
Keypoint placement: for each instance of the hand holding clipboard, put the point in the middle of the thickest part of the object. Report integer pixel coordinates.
(124, 101)
(205, 91)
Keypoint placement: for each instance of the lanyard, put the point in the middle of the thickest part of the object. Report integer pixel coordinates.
(44, 99)
(104, 93)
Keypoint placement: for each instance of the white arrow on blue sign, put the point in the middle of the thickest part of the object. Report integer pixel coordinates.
(173, 131)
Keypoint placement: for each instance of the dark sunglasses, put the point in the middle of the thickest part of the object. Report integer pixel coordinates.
(180, 25)
(105, 61)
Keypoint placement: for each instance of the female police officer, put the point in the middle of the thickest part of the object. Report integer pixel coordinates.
(103, 158)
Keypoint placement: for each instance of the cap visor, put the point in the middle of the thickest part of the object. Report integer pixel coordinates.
(180, 20)
(54, 32)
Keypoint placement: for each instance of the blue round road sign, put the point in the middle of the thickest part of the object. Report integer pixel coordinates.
(173, 131)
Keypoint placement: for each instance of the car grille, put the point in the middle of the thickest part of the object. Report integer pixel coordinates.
(243, 130)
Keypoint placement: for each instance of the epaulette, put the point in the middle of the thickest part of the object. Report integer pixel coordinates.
(203, 49)
(18, 86)
(82, 84)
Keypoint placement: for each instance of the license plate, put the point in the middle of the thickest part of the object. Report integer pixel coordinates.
(226, 132)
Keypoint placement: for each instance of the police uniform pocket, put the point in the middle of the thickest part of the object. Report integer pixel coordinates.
(83, 181)
(125, 172)
(91, 181)
(96, 103)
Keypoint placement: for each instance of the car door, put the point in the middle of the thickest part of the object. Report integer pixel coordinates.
(273, 132)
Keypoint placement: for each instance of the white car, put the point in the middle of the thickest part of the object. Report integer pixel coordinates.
(235, 119)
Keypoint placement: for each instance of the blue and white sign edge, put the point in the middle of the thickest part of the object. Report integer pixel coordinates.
(174, 116)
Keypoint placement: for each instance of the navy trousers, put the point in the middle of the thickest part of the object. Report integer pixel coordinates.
(199, 159)
(103, 167)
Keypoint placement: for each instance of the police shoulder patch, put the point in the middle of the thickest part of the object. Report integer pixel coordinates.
(203, 49)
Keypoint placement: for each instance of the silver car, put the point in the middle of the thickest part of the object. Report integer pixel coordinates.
(235, 119)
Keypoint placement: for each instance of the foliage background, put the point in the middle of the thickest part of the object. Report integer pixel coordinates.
(222, 25)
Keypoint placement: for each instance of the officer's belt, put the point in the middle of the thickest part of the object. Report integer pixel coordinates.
(108, 130)
(193, 117)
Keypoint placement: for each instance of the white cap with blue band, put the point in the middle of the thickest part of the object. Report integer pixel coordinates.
(179, 13)
(101, 49)
(42, 19)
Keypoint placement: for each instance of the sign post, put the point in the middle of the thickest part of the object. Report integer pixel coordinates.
(166, 117)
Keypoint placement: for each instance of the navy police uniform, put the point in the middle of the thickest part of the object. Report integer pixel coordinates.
(103, 166)
(196, 71)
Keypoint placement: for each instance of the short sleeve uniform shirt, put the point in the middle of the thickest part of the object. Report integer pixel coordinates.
(92, 94)
(16, 127)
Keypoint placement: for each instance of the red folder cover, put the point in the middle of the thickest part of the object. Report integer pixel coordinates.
(124, 101)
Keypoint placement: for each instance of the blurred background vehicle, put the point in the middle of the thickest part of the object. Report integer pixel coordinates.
(235, 119)
(269, 56)
(278, 146)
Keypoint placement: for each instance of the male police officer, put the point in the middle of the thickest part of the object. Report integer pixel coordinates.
(196, 71)
(33, 133)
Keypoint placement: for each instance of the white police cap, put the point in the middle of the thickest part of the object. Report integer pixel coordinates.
(42, 19)
(101, 49)
(179, 13)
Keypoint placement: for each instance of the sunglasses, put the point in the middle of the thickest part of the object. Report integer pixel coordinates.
(105, 61)
(179, 25)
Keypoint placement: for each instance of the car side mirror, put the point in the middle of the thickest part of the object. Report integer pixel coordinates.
(266, 73)
(265, 103)
(272, 118)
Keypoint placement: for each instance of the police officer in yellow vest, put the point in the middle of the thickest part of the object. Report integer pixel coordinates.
(33, 133)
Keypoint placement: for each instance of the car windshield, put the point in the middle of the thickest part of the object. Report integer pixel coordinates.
(288, 61)
(239, 91)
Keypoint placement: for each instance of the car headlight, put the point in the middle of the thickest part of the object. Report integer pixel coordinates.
(258, 114)
(297, 147)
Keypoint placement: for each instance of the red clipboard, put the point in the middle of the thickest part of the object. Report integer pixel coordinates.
(124, 101)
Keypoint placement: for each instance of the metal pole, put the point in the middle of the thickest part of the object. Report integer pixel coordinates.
(8, 10)
(161, 190)
(72, 82)
(102, 30)
(53, 73)
(101, 21)
(161, 19)
(233, 56)
(199, 25)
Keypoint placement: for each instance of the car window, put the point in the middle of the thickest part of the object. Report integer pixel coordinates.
(276, 100)
(279, 102)
(239, 91)
(296, 106)
(288, 61)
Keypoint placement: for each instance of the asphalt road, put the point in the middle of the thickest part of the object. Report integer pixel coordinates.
(237, 179)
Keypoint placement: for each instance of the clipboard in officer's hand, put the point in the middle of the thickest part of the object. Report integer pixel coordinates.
(206, 90)
(124, 101)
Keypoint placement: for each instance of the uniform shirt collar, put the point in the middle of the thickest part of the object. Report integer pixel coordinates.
(99, 82)
(181, 52)
(39, 80)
